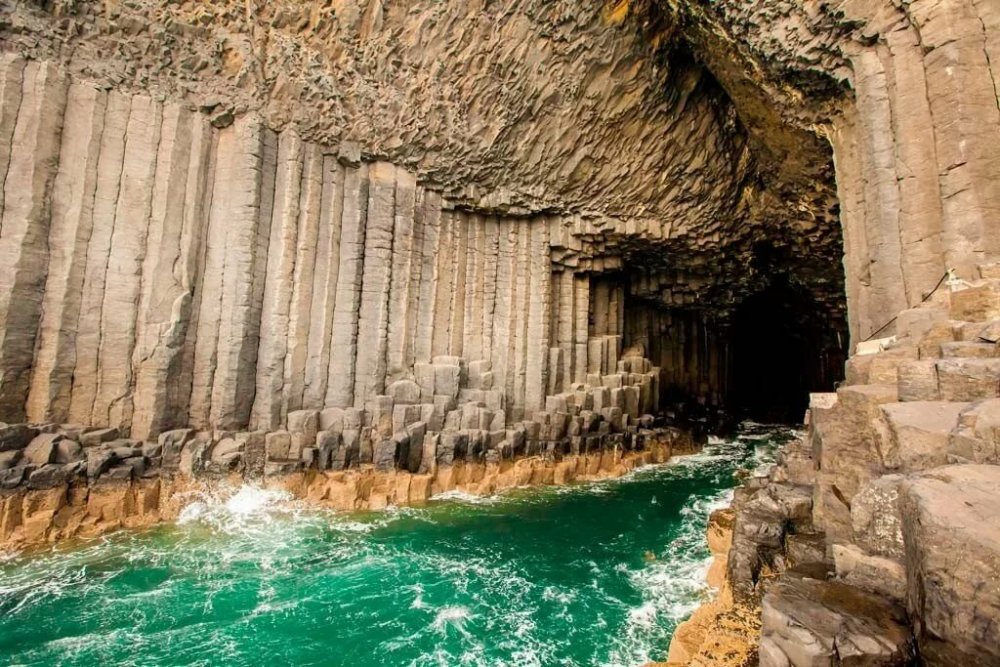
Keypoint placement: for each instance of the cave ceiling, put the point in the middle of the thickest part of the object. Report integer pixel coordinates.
(680, 141)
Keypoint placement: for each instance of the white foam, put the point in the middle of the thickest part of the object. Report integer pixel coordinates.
(465, 497)
(227, 507)
(644, 616)
(451, 617)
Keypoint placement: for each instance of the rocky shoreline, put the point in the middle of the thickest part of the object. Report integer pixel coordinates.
(875, 539)
(62, 501)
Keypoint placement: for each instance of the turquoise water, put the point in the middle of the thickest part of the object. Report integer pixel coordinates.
(590, 574)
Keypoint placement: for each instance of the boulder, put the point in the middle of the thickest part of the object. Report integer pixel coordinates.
(951, 531)
(277, 445)
(809, 621)
(96, 436)
(304, 422)
(16, 436)
(918, 381)
(51, 475)
(968, 379)
(977, 438)
(42, 449)
(759, 530)
(976, 303)
(332, 419)
(223, 450)
(172, 444)
(804, 548)
(99, 461)
(352, 448)
(11, 478)
(914, 436)
(875, 517)
(876, 574)
(415, 452)
(384, 452)
(329, 450)
(404, 392)
(9, 459)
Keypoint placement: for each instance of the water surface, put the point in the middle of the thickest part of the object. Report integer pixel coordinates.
(589, 574)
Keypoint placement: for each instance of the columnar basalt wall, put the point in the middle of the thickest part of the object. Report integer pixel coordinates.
(240, 210)
(166, 273)
(907, 95)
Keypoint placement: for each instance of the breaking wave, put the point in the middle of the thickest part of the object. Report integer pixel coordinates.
(591, 574)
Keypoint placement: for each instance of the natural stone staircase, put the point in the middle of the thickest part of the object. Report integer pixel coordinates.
(875, 540)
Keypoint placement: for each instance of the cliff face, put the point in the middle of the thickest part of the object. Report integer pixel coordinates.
(216, 215)
(917, 178)
(275, 236)
(874, 541)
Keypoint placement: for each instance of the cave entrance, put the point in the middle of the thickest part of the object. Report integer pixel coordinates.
(759, 360)
(781, 348)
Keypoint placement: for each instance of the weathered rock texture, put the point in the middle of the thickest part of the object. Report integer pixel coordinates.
(220, 214)
(225, 278)
(876, 540)
(917, 177)
(60, 504)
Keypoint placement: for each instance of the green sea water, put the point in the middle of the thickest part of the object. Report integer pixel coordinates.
(589, 574)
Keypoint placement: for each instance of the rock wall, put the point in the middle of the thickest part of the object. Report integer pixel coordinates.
(907, 95)
(165, 272)
(37, 514)
(592, 124)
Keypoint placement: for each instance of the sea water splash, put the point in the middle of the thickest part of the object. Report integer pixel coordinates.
(589, 574)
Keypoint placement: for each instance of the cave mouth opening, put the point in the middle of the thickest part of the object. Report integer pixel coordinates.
(781, 349)
(757, 360)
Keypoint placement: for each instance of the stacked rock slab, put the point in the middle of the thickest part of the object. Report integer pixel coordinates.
(452, 416)
(876, 539)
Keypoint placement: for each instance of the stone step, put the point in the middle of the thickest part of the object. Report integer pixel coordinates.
(968, 379)
(914, 436)
(977, 437)
(968, 349)
(977, 302)
(951, 520)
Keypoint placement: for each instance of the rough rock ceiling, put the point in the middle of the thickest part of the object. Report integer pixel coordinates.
(646, 119)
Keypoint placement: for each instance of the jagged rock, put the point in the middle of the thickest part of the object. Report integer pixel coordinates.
(9, 459)
(51, 475)
(762, 521)
(880, 575)
(968, 379)
(305, 422)
(914, 436)
(876, 519)
(42, 449)
(976, 439)
(278, 445)
(99, 461)
(172, 444)
(93, 437)
(805, 548)
(11, 478)
(223, 450)
(385, 451)
(404, 392)
(16, 436)
(331, 419)
(808, 620)
(329, 450)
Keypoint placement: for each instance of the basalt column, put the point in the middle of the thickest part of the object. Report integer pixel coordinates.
(184, 274)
